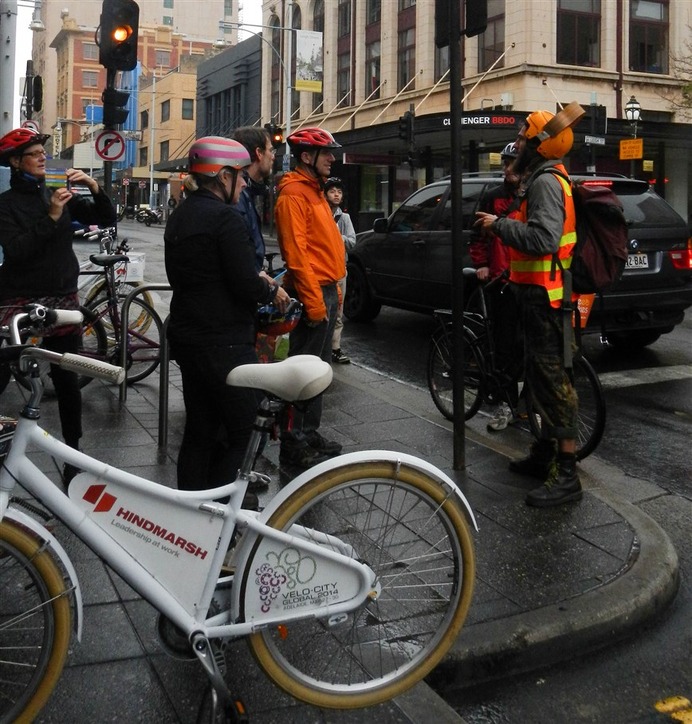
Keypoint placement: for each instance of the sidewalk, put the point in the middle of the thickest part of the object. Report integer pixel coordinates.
(550, 583)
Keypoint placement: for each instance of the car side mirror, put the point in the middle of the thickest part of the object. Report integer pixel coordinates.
(380, 226)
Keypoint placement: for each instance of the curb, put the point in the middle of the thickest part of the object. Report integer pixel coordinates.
(576, 626)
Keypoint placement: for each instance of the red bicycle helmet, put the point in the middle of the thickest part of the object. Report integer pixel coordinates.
(210, 154)
(271, 321)
(14, 142)
(312, 138)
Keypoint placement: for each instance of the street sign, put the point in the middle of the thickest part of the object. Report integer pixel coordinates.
(595, 140)
(142, 184)
(132, 135)
(126, 182)
(110, 145)
(631, 149)
(31, 125)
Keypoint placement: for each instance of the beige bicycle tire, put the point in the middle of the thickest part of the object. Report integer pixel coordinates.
(291, 508)
(49, 573)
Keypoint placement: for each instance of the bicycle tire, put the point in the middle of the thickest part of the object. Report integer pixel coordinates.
(591, 418)
(35, 624)
(440, 373)
(143, 338)
(98, 293)
(395, 517)
(94, 344)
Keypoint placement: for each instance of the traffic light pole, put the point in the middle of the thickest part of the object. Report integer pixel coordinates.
(108, 165)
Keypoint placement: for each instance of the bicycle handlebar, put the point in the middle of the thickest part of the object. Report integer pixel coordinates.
(38, 316)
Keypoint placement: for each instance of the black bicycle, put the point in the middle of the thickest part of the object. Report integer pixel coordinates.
(485, 381)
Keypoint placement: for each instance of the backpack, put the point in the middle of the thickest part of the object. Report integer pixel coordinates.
(600, 253)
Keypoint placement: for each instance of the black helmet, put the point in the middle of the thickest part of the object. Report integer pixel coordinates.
(333, 182)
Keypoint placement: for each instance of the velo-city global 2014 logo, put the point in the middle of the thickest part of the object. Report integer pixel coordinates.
(286, 576)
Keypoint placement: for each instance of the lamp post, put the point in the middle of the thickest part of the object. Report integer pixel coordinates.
(632, 114)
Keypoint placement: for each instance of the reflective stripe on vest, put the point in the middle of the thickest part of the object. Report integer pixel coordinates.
(542, 270)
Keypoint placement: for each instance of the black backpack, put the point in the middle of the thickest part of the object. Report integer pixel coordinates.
(600, 253)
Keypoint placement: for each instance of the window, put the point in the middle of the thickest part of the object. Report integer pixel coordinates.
(418, 211)
(649, 36)
(168, 20)
(373, 12)
(163, 151)
(143, 157)
(372, 69)
(403, 4)
(227, 8)
(165, 111)
(343, 24)
(163, 58)
(144, 120)
(276, 69)
(188, 112)
(441, 61)
(90, 51)
(168, 4)
(407, 58)
(491, 43)
(343, 79)
(90, 79)
(579, 32)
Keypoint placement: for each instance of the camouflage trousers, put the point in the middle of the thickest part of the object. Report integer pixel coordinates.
(549, 383)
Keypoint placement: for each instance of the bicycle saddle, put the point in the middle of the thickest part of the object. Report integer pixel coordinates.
(296, 378)
(108, 259)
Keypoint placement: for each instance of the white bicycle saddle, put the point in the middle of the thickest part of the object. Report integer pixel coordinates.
(296, 378)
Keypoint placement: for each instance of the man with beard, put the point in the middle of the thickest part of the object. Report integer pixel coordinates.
(544, 232)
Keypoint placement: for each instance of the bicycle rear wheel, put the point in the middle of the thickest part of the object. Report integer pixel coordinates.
(415, 537)
(440, 373)
(143, 338)
(35, 624)
(591, 418)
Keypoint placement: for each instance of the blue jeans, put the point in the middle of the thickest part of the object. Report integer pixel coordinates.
(316, 340)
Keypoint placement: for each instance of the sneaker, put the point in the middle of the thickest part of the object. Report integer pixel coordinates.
(301, 457)
(340, 358)
(502, 417)
(322, 445)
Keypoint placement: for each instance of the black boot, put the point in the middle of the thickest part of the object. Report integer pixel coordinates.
(561, 486)
(538, 462)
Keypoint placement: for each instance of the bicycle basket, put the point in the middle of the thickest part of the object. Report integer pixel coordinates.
(271, 321)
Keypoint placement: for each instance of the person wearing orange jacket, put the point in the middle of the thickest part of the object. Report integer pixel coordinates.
(313, 252)
(544, 228)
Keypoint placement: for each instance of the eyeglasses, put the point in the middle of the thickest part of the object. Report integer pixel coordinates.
(35, 154)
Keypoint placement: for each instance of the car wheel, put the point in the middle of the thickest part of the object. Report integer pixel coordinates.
(634, 340)
(359, 306)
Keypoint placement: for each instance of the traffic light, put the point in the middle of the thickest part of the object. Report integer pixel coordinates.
(118, 34)
(406, 129)
(113, 111)
(275, 133)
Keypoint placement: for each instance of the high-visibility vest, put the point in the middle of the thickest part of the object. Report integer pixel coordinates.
(543, 271)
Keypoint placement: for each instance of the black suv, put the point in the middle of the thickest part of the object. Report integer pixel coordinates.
(406, 260)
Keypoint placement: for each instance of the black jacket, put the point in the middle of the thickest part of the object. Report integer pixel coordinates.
(39, 260)
(210, 263)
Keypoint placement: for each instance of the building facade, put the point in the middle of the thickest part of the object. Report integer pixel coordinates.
(380, 60)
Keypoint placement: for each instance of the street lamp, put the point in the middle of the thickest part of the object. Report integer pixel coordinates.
(632, 114)
(633, 111)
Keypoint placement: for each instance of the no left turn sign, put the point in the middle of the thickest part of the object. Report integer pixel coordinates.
(110, 145)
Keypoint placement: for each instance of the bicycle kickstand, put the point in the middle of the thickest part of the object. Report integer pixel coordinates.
(232, 706)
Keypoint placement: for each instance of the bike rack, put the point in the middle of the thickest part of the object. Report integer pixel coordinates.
(163, 359)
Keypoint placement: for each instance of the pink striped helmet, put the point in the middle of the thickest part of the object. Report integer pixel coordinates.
(210, 154)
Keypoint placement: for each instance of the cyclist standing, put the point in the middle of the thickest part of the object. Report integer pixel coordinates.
(210, 263)
(40, 264)
(313, 251)
(546, 226)
(491, 259)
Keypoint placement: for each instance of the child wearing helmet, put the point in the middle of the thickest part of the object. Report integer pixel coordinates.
(334, 191)
(40, 264)
(210, 263)
(313, 251)
(545, 226)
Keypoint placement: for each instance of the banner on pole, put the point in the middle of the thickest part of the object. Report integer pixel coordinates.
(309, 63)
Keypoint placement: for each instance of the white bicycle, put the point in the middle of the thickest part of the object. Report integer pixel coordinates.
(350, 585)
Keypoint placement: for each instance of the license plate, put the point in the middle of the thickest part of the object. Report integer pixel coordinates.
(637, 261)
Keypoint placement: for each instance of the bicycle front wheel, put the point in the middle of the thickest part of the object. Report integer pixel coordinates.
(35, 624)
(413, 533)
(440, 373)
(591, 416)
(143, 337)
